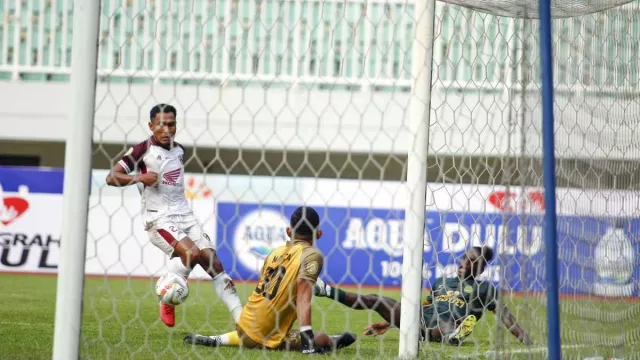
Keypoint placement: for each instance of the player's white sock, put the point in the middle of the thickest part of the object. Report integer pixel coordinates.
(226, 291)
(176, 266)
(223, 340)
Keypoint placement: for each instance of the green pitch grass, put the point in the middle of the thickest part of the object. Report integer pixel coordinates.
(120, 321)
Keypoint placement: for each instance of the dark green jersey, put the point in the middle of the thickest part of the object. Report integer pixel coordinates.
(454, 299)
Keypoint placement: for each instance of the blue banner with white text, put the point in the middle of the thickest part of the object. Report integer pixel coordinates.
(364, 246)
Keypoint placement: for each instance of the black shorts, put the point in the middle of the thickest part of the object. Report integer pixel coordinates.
(432, 321)
(435, 321)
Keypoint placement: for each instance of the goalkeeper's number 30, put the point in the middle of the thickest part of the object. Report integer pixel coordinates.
(266, 282)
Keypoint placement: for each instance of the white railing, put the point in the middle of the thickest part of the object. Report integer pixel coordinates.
(352, 43)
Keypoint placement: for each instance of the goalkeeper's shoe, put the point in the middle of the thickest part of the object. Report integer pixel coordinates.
(195, 339)
(168, 314)
(462, 331)
(320, 288)
(342, 340)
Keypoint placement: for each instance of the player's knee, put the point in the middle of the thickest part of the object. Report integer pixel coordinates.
(435, 335)
(192, 256)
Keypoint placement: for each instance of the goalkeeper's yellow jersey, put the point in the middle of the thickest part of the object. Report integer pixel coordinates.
(270, 311)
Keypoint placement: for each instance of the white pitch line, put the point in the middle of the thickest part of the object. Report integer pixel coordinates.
(535, 350)
(19, 323)
(464, 356)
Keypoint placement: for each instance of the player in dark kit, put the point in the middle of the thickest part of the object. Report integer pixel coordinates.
(450, 311)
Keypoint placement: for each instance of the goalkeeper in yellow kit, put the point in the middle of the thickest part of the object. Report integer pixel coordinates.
(283, 295)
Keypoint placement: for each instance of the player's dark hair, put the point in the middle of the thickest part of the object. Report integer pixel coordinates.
(162, 108)
(485, 255)
(304, 222)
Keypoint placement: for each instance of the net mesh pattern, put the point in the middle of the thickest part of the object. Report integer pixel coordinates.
(282, 103)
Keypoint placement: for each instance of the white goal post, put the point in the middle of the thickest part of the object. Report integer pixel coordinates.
(77, 180)
(418, 146)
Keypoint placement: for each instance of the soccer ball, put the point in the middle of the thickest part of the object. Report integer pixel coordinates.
(172, 289)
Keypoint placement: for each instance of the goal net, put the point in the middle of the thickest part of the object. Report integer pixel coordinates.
(284, 103)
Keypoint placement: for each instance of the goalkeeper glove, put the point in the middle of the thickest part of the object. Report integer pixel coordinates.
(307, 343)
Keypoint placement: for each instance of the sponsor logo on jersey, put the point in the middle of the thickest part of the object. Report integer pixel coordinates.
(171, 177)
(452, 297)
(256, 235)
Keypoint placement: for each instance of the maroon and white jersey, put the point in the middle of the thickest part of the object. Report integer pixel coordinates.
(167, 198)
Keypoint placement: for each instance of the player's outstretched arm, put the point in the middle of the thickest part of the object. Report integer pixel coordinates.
(511, 323)
(386, 307)
(119, 177)
(303, 308)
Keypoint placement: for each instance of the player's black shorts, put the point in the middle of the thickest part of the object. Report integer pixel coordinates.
(433, 321)
(430, 320)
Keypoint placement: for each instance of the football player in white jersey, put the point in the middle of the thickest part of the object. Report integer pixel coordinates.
(157, 164)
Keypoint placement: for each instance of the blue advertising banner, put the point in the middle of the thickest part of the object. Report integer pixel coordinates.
(37, 180)
(364, 246)
(362, 239)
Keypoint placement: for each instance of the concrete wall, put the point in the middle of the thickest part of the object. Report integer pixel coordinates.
(464, 123)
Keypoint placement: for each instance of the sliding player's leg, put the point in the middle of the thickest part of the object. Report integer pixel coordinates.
(434, 326)
(386, 307)
(291, 343)
(443, 328)
(231, 339)
(462, 329)
(321, 341)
